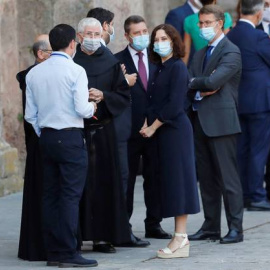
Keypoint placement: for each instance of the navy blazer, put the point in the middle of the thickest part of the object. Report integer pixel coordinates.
(139, 102)
(176, 18)
(254, 88)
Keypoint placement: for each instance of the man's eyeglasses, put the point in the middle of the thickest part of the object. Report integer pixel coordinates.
(47, 51)
(205, 23)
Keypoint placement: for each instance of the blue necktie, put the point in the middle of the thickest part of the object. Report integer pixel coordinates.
(207, 56)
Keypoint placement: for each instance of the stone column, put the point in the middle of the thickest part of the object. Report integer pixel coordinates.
(10, 181)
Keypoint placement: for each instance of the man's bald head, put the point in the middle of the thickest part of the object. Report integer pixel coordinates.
(42, 48)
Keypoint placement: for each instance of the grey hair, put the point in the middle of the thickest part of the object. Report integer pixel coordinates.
(251, 7)
(88, 22)
(39, 45)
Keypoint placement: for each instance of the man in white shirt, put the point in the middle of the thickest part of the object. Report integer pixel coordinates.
(56, 103)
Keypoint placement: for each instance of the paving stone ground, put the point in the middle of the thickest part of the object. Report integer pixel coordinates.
(252, 254)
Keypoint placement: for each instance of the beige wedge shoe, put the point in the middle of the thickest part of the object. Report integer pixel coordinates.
(181, 252)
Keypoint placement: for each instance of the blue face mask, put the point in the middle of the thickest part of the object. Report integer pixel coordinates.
(163, 49)
(112, 35)
(140, 42)
(208, 33)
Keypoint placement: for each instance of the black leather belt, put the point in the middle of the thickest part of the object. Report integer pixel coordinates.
(71, 128)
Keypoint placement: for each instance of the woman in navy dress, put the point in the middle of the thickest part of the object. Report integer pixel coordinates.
(169, 124)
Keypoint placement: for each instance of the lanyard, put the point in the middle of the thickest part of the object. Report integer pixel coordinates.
(59, 54)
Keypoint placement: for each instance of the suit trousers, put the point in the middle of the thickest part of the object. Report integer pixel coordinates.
(147, 149)
(253, 150)
(267, 178)
(218, 176)
(64, 157)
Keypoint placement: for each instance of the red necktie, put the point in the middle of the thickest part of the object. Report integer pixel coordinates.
(142, 70)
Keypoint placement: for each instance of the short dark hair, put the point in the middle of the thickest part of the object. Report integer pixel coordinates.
(216, 10)
(207, 2)
(250, 7)
(61, 36)
(39, 45)
(178, 46)
(134, 19)
(101, 14)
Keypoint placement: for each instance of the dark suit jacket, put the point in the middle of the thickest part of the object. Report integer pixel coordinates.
(218, 113)
(139, 101)
(260, 26)
(176, 18)
(254, 89)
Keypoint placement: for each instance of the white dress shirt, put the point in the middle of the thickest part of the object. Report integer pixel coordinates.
(195, 10)
(266, 27)
(247, 21)
(135, 58)
(57, 94)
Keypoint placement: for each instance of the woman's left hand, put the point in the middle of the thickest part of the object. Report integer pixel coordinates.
(148, 132)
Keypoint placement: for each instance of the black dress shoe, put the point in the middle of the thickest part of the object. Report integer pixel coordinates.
(259, 206)
(157, 233)
(204, 235)
(52, 263)
(135, 242)
(53, 259)
(104, 248)
(231, 237)
(77, 261)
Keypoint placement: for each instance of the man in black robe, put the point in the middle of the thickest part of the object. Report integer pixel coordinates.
(31, 243)
(103, 214)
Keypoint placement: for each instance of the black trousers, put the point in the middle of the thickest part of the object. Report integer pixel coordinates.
(218, 176)
(65, 166)
(267, 177)
(147, 149)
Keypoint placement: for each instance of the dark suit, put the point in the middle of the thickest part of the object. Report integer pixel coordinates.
(254, 108)
(216, 126)
(140, 147)
(267, 170)
(176, 18)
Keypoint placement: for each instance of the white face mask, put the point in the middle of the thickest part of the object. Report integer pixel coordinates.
(266, 14)
(208, 33)
(91, 44)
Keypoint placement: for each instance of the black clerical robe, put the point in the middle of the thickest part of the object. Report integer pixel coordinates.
(31, 240)
(103, 214)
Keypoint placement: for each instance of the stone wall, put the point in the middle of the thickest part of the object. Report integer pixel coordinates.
(20, 22)
(10, 100)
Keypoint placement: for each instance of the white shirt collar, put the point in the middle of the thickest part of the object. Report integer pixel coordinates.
(59, 53)
(247, 21)
(195, 10)
(134, 52)
(265, 26)
(102, 41)
(215, 43)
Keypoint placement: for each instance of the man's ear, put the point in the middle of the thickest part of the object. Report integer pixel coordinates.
(40, 55)
(221, 24)
(80, 37)
(72, 44)
(105, 26)
(128, 38)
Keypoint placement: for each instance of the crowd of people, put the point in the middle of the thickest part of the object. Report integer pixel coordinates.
(187, 103)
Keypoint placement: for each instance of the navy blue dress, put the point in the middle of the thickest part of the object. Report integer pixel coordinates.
(177, 181)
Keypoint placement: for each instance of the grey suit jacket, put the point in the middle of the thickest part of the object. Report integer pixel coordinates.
(217, 113)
